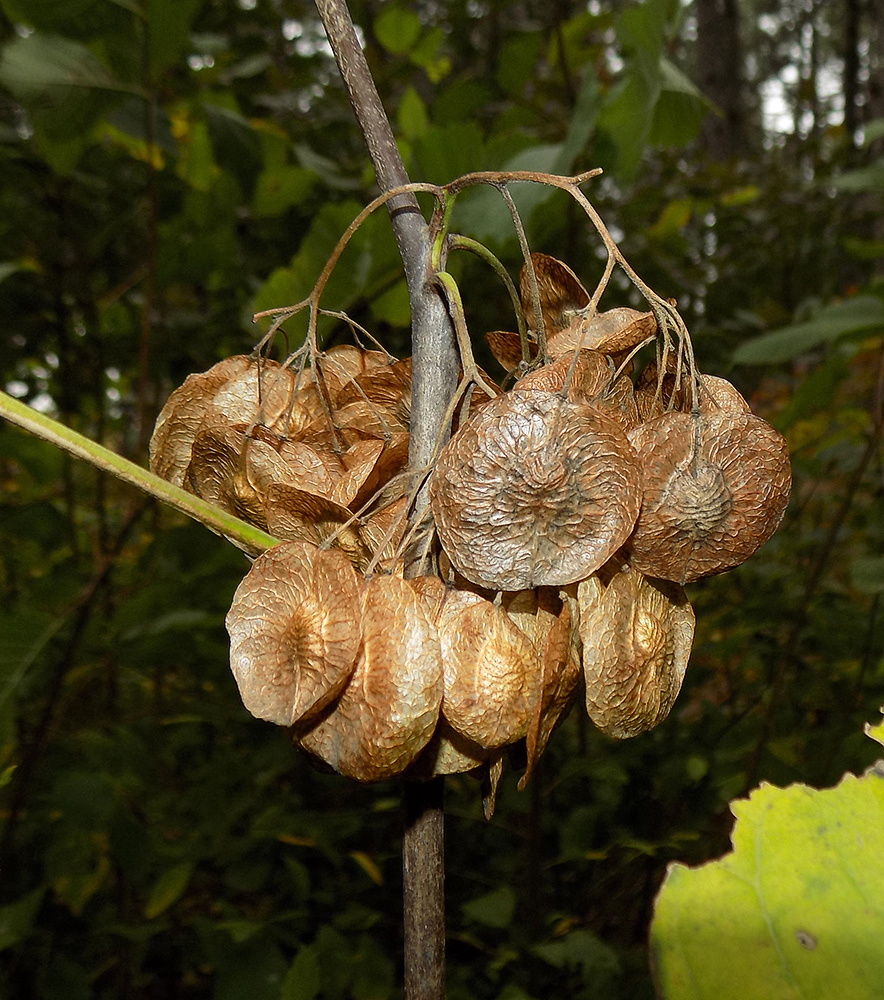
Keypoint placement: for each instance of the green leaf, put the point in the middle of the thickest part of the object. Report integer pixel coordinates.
(169, 24)
(38, 64)
(412, 114)
(17, 918)
(674, 217)
(302, 981)
(679, 111)
(865, 179)
(872, 131)
(280, 189)
(167, 889)
(795, 911)
(867, 574)
(494, 909)
(397, 29)
(24, 635)
(861, 313)
(875, 732)
(254, 971)
(49, 15)
(626, 119)
(428, 55)
(393, 306)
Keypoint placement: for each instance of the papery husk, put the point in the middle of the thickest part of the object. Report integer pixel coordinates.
(718, 395)
(294, 631)
(534, 491)
(637, 634)
(560, 674)
(232, 470)
(586, 375)
(490, 668)
(179, 420)
(387, 387)
(611, 332)
(339, 365)
(653, 399)
(506, 348)
(381, 531)
(295, 514)
(362, 482)
(263, 394)
(447, 752)
(388, 711)
(714, 488)
(561, 293)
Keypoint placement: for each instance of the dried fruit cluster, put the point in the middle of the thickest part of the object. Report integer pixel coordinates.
(569, 512)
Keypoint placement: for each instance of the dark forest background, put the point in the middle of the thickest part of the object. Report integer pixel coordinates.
(168, 167)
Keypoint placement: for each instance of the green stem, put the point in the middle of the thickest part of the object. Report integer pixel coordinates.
(458, 242)
(246, 536)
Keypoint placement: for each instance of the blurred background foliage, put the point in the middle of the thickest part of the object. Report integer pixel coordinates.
(170, 166)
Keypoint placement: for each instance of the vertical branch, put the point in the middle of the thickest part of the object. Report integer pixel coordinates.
(434, 378)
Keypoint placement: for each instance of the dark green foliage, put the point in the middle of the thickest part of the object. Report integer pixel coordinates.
(167, 169)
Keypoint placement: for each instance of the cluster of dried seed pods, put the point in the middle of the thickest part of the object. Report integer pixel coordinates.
(569, 511)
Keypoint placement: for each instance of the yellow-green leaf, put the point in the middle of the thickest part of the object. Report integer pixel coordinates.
(794, 912)
(168, 888)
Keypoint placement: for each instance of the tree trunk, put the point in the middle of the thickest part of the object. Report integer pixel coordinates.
(851, 70)
(434, 373)
(720, 76)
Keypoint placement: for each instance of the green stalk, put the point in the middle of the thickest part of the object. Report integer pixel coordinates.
(246, 536)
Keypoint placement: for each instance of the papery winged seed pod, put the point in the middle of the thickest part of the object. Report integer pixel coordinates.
(294, 631)
(389, 709)
(533, 491)
(546, 619)
(714, 488)
(586, 375)
(180, 418)
(637, 635)
(491, 671)
(561, 293)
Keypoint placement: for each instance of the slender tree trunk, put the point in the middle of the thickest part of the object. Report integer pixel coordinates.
(434, 375)
(720, 76)
(851, 69)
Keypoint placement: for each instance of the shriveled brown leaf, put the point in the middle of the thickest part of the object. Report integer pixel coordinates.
(388, 711)
(490, 669)
(714, 488)
(180, 418)
(534, 491)
(294, 631)
(637, 635)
